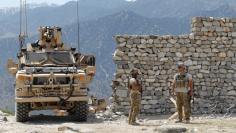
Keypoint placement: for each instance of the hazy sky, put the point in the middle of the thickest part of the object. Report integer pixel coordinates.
(12, 3)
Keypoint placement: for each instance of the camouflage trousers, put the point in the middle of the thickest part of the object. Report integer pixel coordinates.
(183, 104)
(135, 100)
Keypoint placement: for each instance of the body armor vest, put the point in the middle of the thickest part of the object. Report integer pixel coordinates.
(181, 81)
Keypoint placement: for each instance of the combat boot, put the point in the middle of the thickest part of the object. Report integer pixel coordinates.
(187, 121)
(178, 121)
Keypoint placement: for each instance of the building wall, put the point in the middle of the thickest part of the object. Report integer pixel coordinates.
(209, 53)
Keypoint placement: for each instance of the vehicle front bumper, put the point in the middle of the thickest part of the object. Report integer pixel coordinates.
(50, 99)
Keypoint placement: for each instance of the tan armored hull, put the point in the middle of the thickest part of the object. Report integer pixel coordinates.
(51, 75)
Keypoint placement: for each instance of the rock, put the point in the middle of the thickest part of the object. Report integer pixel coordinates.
(122, 44)
(157, 41)
(36, 132)
(138, 54)
(205, 71)
(122, 93)
(137, 41)
(150, 41)
(5, 119)
(234, 34)
(144, 129)
(142, 46)
(183, 49)
(207, 24)
(163, 72)
(116, 58)
(171, 129)
(232, 93)
(153, 101)
(233, 66)
(222, 55)
(195, 130)
(173, 41)
(66, 129)
(161, 54)
(199, 75)
(230, 54)
(203, 93)
(215, 50)
(215, 93)
(164, 59)
(234, 83)
(144, 102)
(178, 54)
(150, 72)
(222, 71)
(204, 29)
(119, 53)
(150, 80)
(133, 50)
(218, 29)
(149, 51)
(121, 39)
(143, 41)
(207, 50)
(147, 106)
(73, 128)
(188, 62)
(130, 54)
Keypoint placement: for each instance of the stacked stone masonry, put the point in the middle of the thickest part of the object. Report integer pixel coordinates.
(209, 53)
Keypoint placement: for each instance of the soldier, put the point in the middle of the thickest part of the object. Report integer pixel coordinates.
(183, 89)
(135, 97)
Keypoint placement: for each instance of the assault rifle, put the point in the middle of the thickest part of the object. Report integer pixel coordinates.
(141, 83)
(191, 97)
(128, 85)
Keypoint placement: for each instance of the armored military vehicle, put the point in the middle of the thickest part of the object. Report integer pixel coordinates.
(51, 75)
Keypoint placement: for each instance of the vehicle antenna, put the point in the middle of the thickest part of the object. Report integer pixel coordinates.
(78, 27)
(23, 23)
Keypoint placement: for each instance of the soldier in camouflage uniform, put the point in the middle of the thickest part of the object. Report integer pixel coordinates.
(135, 97)
(183, 89)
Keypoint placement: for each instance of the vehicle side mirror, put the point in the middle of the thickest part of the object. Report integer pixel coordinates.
(12, 67)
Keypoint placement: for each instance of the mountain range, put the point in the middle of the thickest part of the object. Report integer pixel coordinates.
(100, 20)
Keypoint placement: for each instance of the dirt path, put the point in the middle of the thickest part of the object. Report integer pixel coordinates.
(148, 124)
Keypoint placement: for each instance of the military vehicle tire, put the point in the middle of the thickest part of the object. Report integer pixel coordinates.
(81, 111)
(22, 112)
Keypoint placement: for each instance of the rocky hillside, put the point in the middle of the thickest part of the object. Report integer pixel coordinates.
(100, 21)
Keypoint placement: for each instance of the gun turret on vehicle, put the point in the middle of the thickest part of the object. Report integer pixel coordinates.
(51, 75)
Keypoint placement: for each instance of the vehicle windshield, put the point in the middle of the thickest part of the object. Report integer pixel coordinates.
(58, 58)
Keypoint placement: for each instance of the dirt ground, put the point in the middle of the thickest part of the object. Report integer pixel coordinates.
(148, 124)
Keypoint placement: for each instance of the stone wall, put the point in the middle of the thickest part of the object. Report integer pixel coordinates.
(209, 53)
